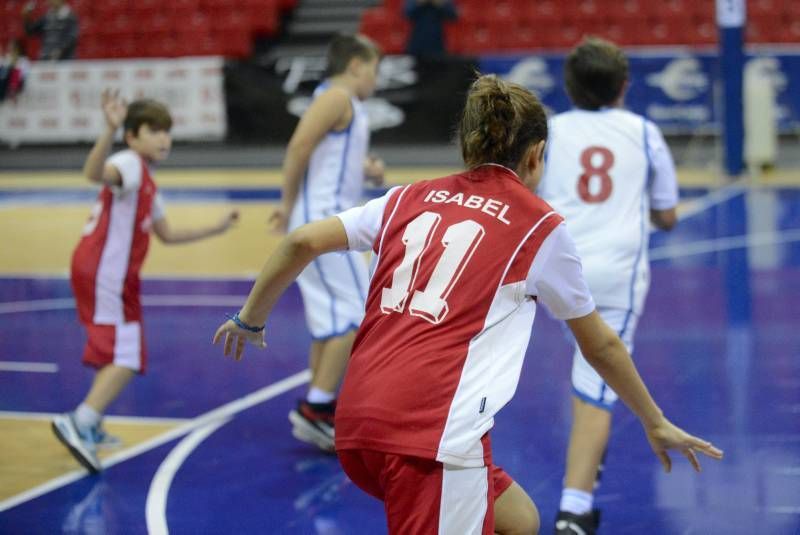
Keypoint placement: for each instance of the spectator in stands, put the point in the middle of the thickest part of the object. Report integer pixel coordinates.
(13, 69)
(58, 28)
(427, 18)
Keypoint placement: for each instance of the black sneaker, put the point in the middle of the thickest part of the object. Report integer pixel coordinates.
(313, 423)
(572, 524)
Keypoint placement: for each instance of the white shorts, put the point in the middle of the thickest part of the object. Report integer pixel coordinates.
(586, 382)
(334, 289)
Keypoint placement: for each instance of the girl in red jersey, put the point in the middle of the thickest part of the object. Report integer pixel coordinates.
(106, 263)
(462, 262)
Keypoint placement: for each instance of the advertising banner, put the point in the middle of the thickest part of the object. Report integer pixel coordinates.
(60, 102)
(674, 88)
(415, 101)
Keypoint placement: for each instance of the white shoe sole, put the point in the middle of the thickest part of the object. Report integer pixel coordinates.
(306, 432)
(67, 435)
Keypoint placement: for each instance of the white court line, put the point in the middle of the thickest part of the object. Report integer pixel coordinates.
(134, 420)
(156, 505)
(724, 244)
(38, 305)
(698, 205)
(220, 413)
(240, 276)
(33, 367)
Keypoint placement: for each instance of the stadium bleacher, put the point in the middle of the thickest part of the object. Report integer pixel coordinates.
(151, 28)
(514, 25)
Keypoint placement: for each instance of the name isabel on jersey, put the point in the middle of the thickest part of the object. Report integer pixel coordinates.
(492, 207)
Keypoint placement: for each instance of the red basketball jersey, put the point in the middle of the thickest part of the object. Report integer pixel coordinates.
(448, 316)
(108, 258)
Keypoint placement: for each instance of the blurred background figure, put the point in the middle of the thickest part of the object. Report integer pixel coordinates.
(427, 19)
(58, 28)
(13, 70)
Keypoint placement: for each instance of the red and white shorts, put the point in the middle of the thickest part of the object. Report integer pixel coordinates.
(423, 496)
(121, 345)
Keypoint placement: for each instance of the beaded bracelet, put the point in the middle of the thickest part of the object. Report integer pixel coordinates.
(242, 325)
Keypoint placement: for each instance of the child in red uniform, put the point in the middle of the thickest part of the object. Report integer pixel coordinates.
(106, 263)
(462, 262)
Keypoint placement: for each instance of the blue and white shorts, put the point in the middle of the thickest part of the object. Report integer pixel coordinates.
(334, 289)
(586, 382)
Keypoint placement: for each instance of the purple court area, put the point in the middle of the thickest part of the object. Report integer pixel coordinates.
(719, 345)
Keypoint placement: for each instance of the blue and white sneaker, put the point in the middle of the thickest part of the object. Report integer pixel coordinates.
(103, 440)
(81, 446)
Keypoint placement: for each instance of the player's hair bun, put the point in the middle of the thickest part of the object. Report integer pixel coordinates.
(499, 122)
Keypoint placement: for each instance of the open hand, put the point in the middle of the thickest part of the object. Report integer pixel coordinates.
(229, 219)
(278, 221)
(374, 169)
(667, 436)
(115, 108)
(235, 339)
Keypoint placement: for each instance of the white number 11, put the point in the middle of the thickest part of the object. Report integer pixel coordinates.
(459, 241)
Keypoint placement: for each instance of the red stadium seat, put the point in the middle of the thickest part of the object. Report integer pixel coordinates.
(111, 6)
(791, 31)
(183, 5)
(501, 11)
(528, 37)
(702, 32)
(90, 47)
(758, 8)
(544, 12)
(627, 10)
(236, 44)
(477, 38)
(672, 31)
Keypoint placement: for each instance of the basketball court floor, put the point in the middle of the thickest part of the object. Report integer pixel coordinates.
(206, 441)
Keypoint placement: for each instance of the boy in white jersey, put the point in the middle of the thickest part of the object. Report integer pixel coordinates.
(324, 170)
(106, 263)
(609, 172)
(461, 264)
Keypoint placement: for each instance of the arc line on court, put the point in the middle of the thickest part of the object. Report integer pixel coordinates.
(220, 413)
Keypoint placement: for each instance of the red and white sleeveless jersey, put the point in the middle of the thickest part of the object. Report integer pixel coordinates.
(108, 259)
(460, 263)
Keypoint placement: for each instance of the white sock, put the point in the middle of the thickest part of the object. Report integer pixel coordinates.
(315, 395)
(86, 417)
(576, 501)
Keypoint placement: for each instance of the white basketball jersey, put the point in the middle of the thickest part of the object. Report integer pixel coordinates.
(334, 180)
(596, 176)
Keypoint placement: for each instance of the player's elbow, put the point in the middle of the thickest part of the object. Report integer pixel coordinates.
(302, 243)
(602, 353)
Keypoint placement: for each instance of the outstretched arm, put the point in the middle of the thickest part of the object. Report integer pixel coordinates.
(293, 254)
(171, 236)
(608, 355)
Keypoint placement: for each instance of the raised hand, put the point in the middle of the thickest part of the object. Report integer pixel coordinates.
(667, 436)
(114, 108)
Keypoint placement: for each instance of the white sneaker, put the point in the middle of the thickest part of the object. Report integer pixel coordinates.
(103, 440)
(82, 448)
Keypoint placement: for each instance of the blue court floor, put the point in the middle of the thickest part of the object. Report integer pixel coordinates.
(719, 346)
